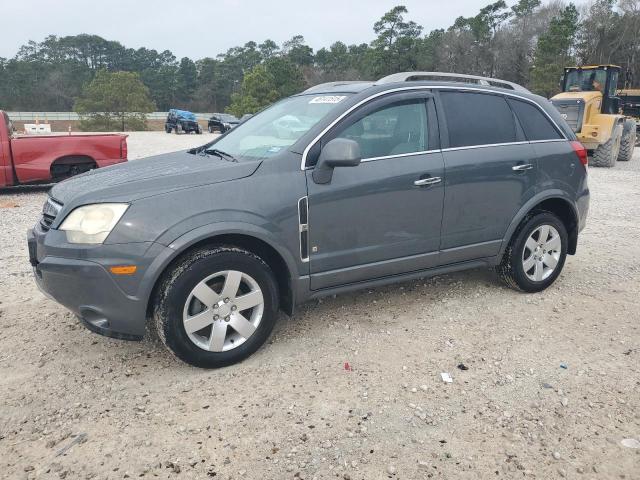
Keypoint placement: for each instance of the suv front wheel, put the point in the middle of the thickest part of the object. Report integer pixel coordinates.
(536, 254)
(216, 306)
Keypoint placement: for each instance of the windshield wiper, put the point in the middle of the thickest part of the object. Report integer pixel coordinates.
(221, 154)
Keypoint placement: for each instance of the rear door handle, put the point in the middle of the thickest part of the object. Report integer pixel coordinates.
(423, 182)
(521, 168)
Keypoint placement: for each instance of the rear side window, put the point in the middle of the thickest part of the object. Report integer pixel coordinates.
(536, 125)
(477, 119)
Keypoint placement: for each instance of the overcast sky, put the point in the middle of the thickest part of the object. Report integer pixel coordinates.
(201, 28)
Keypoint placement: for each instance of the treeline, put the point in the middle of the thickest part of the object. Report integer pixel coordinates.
(528, 42)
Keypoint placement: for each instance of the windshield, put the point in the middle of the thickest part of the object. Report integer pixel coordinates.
(276, 128)
(225, 117)
(185, 114)
(585, 80)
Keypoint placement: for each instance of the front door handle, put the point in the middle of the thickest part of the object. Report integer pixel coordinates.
(521, 168)
(423, 182)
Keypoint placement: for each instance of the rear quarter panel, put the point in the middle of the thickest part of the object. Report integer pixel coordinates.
(33, 156)
(559, 169)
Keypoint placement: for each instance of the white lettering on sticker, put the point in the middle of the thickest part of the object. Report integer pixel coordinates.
(328, 99)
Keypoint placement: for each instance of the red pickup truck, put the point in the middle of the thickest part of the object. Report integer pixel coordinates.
(51, 158)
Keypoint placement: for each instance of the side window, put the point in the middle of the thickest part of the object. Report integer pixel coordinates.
(613, 86)
(393, 129)
(535, 124)
(477, 119)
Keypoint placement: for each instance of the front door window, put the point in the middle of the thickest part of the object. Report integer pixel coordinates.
(395, 129)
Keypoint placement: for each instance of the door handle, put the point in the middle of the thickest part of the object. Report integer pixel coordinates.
(521, 168)
(423, 182)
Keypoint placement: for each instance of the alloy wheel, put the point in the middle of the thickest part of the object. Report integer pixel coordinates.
(223, 311)
(541, 253)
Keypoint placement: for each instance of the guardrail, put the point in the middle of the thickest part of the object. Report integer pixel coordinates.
(73, 116)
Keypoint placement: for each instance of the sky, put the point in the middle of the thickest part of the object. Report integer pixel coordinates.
(205, 28)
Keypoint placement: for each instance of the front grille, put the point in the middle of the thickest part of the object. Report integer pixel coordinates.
(571, 111)
(50, 211)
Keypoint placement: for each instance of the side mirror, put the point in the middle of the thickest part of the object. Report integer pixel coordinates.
(339, 152)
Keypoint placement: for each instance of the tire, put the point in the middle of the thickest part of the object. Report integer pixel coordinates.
(628, 141)
(199, 130)
(167, 129)
(518, 255)
(210, 128)
(176, 305)
(605, 155)
(177, 129)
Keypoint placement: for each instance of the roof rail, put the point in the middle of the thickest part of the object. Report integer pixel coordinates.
(324, 86)
(451, 77)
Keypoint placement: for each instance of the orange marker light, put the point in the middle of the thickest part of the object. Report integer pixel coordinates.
(124, 269)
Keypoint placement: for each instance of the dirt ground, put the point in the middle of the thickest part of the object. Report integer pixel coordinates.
(551, 390)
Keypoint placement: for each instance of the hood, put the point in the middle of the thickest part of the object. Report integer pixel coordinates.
(127, 182)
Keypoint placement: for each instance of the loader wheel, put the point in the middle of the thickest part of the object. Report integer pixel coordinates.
(605, 155)
(628, 141)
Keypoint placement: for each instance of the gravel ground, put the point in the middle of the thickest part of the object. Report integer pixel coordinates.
(551, 388)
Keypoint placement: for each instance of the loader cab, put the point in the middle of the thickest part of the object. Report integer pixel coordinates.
(600, 78)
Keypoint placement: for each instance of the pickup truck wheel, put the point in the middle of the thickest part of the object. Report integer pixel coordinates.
(177, 129)
(167, 129)
(67, 167)
(536, 254)
(210, 128)
(628, 142)
(216, 306)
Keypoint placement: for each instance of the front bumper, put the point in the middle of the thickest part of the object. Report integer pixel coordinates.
(78, 277)
(189, 126)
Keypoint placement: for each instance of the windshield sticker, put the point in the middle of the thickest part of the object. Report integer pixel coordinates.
(328, 99)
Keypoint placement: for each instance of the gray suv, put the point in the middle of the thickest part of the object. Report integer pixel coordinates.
(344, 186)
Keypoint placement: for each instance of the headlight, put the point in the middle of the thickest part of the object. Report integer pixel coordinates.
(92, 223)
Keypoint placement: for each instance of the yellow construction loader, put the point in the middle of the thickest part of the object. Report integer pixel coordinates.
(590, 105)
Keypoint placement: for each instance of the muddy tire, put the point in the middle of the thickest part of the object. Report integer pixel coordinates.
(628, 141)
(607, 153)
(536, 253)
(216, 306)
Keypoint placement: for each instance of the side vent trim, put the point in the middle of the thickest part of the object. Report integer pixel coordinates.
(303, 228)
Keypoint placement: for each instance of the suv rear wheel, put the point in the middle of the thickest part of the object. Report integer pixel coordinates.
(216, 307)
(536, 254)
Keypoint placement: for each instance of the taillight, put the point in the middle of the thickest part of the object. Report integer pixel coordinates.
(581, 152)
(123, 147)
